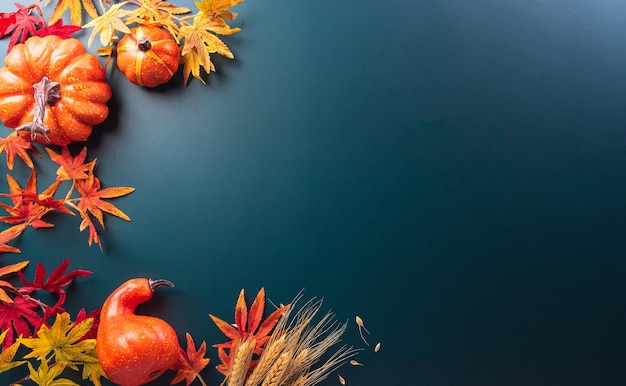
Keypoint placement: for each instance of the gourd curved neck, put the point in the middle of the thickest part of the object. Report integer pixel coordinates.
(125, 299)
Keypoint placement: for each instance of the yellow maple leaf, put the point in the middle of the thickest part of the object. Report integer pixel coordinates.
(93, 370)
(199, 43)
(107, 24)
(7, 355)
(216, 12)
(76, 10)
(63, 340)
(47, 376)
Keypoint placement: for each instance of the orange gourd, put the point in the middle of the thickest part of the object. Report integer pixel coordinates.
(148, 56)
(134, 349)
(52, 90)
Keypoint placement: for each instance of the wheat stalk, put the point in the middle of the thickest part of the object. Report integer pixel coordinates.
(241, 362)
(297, 366)
(276, 372)
(270, 353)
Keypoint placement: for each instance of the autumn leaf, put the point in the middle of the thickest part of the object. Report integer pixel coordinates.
(216, 12)
(106, 24)
(7, 355)
(25, 24)
(14, 144)
(29, 206)
(10, 234)
(58, 29)
(91, 203)
(48, 376)
(248, 325)
(76, 9)
(19, 318)
(13, 268)
(63, 340)
(199, 43)
(92, 237)
(92, 370)
(92, 196)
(55, 282)
(72, 168)
(190, 363)
(157, 12)
(6, 21)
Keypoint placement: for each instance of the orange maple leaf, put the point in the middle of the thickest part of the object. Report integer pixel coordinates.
(13, 145)
(72, 168)
(190, 363)
(92, 195)
(248, 326)
(4, 271)
(10, 234)
(91, 202)
(28, 205)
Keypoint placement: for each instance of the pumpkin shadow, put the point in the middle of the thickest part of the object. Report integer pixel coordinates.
(108, 127)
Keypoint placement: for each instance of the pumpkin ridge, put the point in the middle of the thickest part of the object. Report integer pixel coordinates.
(138, 69)
(158, 59)
(68, 51)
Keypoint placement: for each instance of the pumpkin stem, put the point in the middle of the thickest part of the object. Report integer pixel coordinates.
(47, 93)
(144, 44)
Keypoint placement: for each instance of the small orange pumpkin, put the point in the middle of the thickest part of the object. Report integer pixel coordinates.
(148, 56)
(52, 88)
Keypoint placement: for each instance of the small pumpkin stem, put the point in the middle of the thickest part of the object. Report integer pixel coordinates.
(47, 93)
(144, 44)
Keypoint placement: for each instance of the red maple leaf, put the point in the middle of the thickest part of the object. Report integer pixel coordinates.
(82, 315)
(248, 326)
(25, 24)
(190, 363)
(15, 144)
(54, 284)
(29, 206)
(72, 168)
(6, 21)
(19, 318)
(58, 29)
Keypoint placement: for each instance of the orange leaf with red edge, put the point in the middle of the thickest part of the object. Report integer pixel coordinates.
(224, 367)
(15, 144)
(256, 311)
(93, 232)
(270, 322)
(8, 235)
(30, 206)
(247, 323)
(225, 327)
(91, 200)
(5, 271)
(72, 168)
(241, 313)
(190, 362)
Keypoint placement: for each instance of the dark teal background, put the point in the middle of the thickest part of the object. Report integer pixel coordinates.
(452, 171)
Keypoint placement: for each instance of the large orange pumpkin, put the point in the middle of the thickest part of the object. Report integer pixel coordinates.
(148, 56)
(52, 90)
